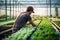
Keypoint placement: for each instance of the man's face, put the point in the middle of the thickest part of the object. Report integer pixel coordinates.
(30, 12)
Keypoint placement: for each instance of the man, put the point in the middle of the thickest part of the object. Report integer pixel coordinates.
(23, 18)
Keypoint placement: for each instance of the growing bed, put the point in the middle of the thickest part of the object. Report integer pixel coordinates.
(6, 25)
(57, 21)
(44, 31)
(6, 22)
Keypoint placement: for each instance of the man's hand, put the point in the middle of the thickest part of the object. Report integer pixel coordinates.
(31, 22)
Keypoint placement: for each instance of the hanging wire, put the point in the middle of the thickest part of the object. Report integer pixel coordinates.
(50, 9)
(6, 8)
(56, 9)
(16, 7)
(20, 7)
(47, 7)
(13, 8)
(10, 9)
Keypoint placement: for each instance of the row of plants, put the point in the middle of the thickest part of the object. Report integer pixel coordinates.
(45, 31)
(6, 22)
(57, 21)
(11, 24)
(37, 21)
(36, 17)
(3, 16)
(23, 33)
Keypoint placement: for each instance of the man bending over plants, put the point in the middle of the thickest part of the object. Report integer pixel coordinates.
(23, 18)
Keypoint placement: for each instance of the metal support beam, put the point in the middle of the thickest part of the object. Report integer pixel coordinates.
(13, 8)
(50, 9)
(10, 9)
(47, 7)
(6, 8)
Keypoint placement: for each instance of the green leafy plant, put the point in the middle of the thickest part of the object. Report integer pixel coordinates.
(45, 31)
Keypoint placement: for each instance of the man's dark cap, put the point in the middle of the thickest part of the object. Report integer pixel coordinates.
(30, 8)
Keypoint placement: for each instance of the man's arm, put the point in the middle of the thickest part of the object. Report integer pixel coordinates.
(31, 22)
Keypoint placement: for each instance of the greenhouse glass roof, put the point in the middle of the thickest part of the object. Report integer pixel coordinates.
(35, 3)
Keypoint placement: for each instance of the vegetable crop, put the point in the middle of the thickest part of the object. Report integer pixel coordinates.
(45, 31)
(22, 34)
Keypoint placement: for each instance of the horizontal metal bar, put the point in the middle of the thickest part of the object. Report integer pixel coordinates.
(5, 31)
(32, 4)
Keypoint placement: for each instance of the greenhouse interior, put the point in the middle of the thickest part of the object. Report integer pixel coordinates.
(43, 24)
